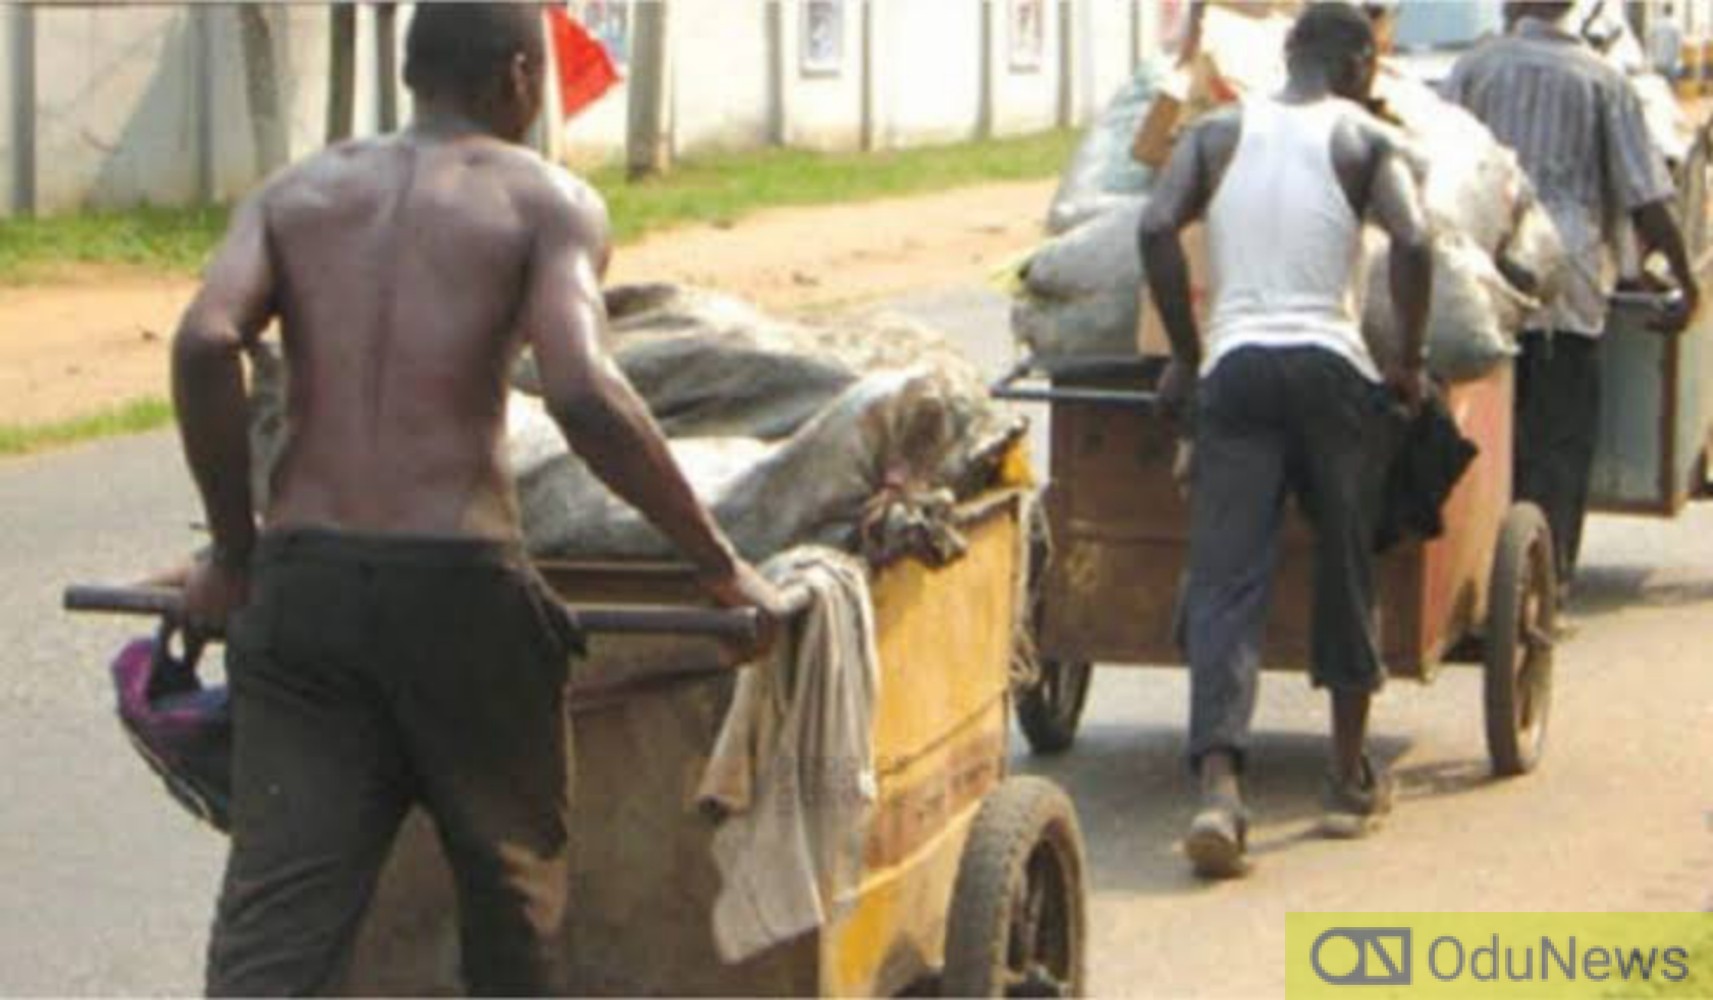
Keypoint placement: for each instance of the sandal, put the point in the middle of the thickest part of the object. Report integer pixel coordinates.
(1218, 841)
(1354, 809)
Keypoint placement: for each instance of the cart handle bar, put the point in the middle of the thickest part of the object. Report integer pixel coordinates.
(741, 625)
(1007, 387)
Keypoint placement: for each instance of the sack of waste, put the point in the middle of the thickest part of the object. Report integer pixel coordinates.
(790, 432)
(892, 437)
(1079, 291)
(1472, 318)
(1102, 173)
(1470, 182)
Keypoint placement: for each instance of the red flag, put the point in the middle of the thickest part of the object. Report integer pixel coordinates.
(585, 70)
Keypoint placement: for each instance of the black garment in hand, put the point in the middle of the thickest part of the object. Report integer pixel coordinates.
(1431, 457)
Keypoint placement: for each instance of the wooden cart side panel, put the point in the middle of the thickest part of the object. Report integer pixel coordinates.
(1458, 565)
(945, 636)
(894, 934)
(1120, 533)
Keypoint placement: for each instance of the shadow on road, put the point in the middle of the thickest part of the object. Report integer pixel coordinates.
(1135, 799)
(1603, 590)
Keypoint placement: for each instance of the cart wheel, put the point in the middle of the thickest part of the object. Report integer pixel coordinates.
(1050, 711)
(1522, 607)
(1016, 927)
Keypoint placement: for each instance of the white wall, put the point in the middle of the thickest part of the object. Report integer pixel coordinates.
(117, 112)
(114, 96)
(1026, 99)
(928, 61)
(1103, 53)
(822, 110)
(720, 66)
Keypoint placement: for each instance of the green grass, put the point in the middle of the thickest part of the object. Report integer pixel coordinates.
(715, 189)
(131, 418)
(167, 240)
(712, 189)
(723, 189)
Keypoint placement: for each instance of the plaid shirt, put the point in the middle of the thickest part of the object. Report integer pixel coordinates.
(1577, 127)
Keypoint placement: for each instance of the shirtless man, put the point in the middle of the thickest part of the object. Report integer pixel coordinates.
(389, 645)
(1289, 399)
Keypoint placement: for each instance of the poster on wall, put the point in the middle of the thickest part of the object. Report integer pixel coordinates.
(609, 22)
(1028, 34)
(821, 37)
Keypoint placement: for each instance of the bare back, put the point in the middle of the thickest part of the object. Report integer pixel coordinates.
(401, 268)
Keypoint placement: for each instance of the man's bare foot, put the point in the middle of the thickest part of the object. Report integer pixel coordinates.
(1356, 805)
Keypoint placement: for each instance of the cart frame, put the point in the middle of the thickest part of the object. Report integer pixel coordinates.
(1118, 529)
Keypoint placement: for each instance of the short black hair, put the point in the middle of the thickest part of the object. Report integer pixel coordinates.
(458, 49)
(1334, 30)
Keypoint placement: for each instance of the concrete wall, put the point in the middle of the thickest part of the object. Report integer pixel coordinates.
(7, 110)
(721, 70)
(118, 98)
(821, 109)
(928, 64)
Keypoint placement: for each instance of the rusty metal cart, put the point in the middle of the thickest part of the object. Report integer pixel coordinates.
(972, 883)
(1483, 593)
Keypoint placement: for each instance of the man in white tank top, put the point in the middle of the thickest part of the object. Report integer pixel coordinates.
(1287, 399)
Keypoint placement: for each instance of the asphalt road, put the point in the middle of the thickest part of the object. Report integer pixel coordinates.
(108, 886)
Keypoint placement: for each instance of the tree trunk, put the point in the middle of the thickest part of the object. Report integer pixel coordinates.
(648, 143)
(262, 84)
(386, 64)
(342, 73)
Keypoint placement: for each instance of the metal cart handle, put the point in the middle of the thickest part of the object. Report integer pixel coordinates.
(1009, 388)
(740, 626)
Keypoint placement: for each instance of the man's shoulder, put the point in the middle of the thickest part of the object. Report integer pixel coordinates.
(557, 197)
(1218, 131)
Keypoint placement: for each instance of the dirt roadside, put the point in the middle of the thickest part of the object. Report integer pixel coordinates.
(99, 338)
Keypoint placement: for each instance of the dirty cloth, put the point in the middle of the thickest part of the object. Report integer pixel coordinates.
(792, 774)
(1430, 459)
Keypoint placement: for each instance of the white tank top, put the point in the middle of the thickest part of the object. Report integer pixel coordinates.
(1284, 246)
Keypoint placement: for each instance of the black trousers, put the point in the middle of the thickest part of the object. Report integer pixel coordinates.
(370, 674)
(1272, 422)
(1558, 420)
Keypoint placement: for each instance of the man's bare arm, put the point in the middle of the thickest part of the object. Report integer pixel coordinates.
(603, 419)
(1179, 197)
(235, 304)
(1396, 204)
(1657, 226)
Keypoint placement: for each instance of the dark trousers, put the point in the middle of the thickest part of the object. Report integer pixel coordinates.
(1272, 422)
(1558, 420)
(369, 675)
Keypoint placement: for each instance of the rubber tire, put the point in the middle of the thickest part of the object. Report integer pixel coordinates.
(1523, 571)
(1025, 819)
(1051, 710)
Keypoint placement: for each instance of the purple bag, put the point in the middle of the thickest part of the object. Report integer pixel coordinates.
(180, 728)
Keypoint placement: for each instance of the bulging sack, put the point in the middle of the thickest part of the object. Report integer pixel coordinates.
(1472, 319)
(1079, 289)
(789, 432)
(1102, 173)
